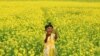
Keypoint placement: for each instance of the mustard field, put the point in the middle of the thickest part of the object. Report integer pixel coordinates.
(22, 27)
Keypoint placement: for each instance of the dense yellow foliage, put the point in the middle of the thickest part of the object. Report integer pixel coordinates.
(22, 28)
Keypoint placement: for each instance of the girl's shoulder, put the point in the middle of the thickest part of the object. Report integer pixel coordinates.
(53, 35)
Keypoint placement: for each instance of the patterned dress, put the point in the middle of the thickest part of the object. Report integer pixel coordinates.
(49, 46)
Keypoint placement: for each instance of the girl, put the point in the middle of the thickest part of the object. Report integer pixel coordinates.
(49, 41)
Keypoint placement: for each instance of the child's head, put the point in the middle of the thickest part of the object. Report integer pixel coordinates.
(49, 28)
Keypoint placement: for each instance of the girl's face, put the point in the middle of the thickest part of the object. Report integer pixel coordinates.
(49, 30)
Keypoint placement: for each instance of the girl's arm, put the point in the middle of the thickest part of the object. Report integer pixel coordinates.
(56, 35)
(46, 38)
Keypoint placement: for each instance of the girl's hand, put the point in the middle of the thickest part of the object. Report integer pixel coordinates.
(47, 35)
(56, 35)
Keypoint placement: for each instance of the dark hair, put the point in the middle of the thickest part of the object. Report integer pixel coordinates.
(48, 25)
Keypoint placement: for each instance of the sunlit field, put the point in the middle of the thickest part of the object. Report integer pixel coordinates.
(22, 27)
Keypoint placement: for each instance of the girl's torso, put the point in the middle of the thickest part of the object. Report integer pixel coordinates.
(50, 41)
